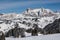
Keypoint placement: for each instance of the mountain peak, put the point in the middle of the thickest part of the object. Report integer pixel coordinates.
(38, 12)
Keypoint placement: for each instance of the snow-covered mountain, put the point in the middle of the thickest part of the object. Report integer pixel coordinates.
(38, 12)
(26, 19)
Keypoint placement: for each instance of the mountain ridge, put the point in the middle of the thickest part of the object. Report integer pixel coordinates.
(26, 19)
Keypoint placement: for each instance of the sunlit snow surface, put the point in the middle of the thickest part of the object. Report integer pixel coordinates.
(41, 37)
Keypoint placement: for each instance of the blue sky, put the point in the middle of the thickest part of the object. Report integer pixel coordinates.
(18, 6)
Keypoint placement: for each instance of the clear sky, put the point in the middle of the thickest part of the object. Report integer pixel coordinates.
(21, 5)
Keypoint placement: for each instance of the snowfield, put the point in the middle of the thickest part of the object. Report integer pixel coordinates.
(41, 37)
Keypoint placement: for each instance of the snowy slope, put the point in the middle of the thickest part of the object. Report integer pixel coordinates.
(41, 37)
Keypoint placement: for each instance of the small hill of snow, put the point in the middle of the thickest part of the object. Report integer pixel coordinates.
(41, 37)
